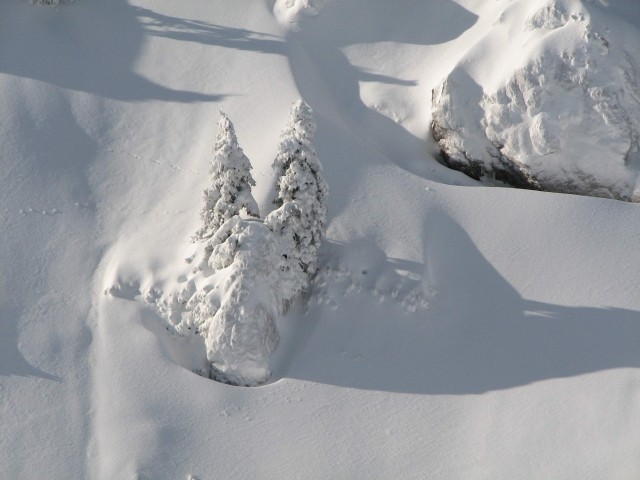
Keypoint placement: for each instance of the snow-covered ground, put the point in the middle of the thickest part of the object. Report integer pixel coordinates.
(453, 330)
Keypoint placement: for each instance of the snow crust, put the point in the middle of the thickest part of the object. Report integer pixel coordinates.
(452, 330)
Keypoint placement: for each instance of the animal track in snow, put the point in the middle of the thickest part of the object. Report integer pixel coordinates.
(173, 166)
(39, 211)
(331, 284)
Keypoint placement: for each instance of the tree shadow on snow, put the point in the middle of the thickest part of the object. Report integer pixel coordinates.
(478, 335)
(330, 83)
(90, 46)
(346, 273)
(188, 30)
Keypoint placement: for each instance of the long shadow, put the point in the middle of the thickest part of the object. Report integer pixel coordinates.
(346, 272)
(478, 335)
(12, 362)
(90, 46)
(331, 84)
(189, 30)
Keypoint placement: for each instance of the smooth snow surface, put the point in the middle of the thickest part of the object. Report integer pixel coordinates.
(452, 330)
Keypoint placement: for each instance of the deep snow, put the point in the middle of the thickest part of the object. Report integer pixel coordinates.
(453, 331)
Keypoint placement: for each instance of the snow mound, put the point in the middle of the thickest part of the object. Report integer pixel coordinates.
(562, 115)
(292, 11)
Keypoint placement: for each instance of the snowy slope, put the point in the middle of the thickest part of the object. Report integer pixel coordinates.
(454, 330)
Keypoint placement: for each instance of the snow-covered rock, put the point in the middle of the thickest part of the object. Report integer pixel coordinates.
(561, 109)
(291, 11)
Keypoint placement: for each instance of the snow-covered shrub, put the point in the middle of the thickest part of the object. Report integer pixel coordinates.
(300, 219)
(230, 181)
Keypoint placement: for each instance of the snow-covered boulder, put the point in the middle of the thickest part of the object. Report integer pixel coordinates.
(556, 108)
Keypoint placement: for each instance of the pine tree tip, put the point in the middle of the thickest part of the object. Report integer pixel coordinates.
(300, 104)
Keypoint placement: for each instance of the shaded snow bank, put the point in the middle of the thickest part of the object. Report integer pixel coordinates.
(560, 110)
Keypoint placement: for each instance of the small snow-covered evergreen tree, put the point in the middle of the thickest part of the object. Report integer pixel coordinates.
(300, 218)
(242, 334)
(230, 182)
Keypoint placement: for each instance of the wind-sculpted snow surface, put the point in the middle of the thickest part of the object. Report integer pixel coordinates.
(440, 319)
(562, 115)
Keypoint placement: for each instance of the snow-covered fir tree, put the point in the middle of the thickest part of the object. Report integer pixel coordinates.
(300, 218)
(230, 182)
(242, 333)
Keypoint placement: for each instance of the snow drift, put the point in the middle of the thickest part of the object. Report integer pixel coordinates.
(561, 109)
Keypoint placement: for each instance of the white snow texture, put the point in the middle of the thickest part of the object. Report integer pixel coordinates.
(451, 329)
